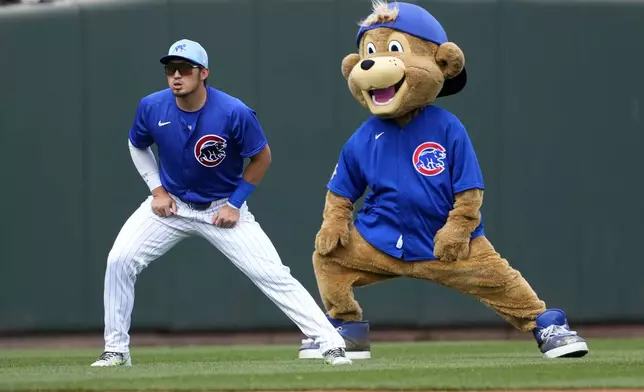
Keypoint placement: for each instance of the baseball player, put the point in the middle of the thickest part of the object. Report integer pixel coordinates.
(203, 136)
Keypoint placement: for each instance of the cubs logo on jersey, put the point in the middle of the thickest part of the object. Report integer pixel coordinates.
(210, 150)
(429, 158)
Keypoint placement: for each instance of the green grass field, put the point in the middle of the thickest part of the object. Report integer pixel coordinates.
(431, 365)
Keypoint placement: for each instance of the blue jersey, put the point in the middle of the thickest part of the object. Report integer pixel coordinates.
(413, 174)
(201, 153)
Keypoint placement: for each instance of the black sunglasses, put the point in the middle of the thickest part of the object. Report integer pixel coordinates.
(183, 68)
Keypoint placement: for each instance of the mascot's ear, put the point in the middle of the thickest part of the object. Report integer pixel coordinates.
(450, 59)
(348, 63)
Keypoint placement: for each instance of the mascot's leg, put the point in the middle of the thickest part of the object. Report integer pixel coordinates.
(495, 283)
(337, 274)
(336, 283)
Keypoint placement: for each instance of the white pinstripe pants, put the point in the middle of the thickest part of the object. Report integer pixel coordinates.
(145, 237)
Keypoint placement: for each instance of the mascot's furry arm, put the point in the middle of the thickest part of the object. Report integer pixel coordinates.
(338, 218)
(452, 241)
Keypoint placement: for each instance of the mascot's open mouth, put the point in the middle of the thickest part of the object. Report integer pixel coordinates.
(383, 96)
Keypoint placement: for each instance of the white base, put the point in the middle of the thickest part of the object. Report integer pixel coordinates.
(568, 349)
(315, 354)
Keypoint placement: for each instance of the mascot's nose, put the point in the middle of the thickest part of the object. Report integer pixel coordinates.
(367, 64)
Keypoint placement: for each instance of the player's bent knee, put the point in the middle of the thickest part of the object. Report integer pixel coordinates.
(121, 263)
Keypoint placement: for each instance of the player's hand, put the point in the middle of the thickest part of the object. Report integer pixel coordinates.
(162, 204)
(451, 244)
(327, 238)
(226, 217)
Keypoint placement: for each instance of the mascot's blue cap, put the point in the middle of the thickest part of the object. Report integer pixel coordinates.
(417, 21)
(412, 20)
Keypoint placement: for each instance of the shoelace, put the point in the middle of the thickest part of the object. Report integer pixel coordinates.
(108, 355)
(555, 330)
(336, 352)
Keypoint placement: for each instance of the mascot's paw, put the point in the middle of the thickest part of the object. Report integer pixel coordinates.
(451, 244)
(327, 238)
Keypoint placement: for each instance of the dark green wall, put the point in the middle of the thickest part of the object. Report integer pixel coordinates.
(553, 106)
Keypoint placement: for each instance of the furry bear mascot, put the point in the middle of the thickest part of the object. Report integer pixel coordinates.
(422, 217)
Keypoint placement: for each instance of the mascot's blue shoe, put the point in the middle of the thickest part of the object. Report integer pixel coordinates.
(356, 338)
(555, 338)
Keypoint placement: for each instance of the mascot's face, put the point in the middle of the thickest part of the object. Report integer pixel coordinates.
(394, 72)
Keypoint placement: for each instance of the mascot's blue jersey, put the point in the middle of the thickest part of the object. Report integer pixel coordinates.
(413, 174)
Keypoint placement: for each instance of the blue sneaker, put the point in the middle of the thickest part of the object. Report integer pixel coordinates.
(356, 338)
(555, 338)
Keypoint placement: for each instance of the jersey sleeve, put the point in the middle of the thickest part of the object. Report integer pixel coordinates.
(347, 179)
(139, 135)
(466, 172)
(247, 131)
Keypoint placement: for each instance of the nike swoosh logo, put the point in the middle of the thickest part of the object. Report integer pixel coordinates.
(163, 123)
(378, 135)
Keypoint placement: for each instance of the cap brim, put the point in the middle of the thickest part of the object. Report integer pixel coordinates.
(454, 85)
(166, 59)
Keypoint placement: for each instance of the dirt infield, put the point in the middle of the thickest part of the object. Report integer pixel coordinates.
(141, 339)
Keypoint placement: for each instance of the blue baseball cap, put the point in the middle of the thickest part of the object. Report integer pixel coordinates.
(413, 20)
(187, 50)
(417, 21)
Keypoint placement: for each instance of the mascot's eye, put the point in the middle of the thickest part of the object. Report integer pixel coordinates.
(395, 46)
(371, 48)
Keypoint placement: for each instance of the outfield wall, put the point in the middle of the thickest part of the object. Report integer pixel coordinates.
(554, 107)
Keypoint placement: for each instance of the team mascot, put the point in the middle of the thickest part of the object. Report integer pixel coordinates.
(422, 217)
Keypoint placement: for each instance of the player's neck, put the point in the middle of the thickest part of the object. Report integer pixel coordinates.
(194, 101)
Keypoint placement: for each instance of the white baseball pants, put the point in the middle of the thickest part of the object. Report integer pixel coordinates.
(146, 236)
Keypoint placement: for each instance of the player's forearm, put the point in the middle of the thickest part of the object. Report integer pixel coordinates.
(146, 165)
(258, 166)
(253, 175)
(466, 212)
